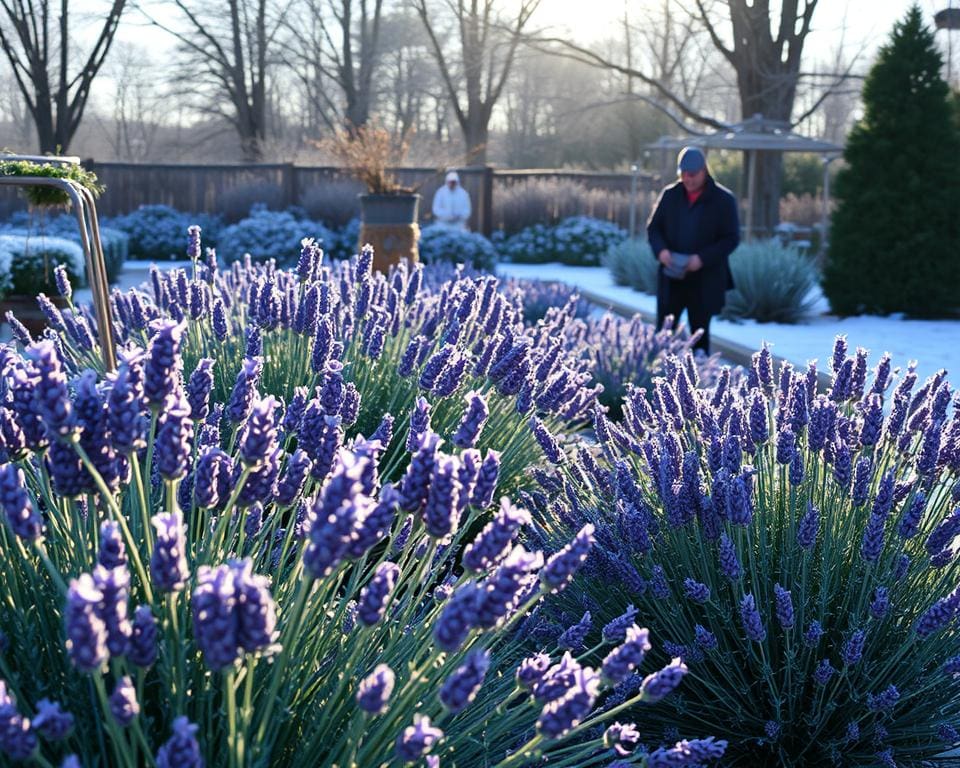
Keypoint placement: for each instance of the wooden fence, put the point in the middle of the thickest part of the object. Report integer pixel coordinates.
(231, 189)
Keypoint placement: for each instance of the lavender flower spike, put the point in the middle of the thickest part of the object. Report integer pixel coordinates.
(750, 618)
(621, 661)
(19, 511)
(418, 739)
(474, 418)
(181, 750)
(168, 564)
(123, 702)
(562, 566)
(374, 690)
(461, 687)
(51, 721)
(85, 630)
(494, 540)
(566, 712)
(376, 594)
(662, 683)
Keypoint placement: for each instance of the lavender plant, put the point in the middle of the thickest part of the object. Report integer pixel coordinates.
(191, 581)
(796, 549)
(381, 342)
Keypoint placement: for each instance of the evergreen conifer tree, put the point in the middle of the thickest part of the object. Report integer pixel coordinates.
(895, 235)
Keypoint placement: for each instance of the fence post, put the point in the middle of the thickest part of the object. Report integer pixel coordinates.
(486, 220)
(288, 179)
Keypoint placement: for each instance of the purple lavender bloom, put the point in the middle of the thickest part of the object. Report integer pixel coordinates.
(687, 753)
(416, 481)
(566, 712)
(474, 417)
(884, 701)
(948, 734)
(786, 445)
(808, 528)
(502, 590)
(123, 702)
(418, 739)
(63, 282)
(244, 389)
(616, 629)
(784, 606)
(199, 388)
(551, 446)
(168, 563)
(861, 481)
(824, 671)
(557, 680)
(410, 356)
(622, 738)
(871, 545)
(729, 562)
(375, 689)
(440, 511)
(19, 511)
(562, 566)
(419, 424)
(492, 543)
(573, 638)
(114, 585)
(660, 684)
(51, 397)
(812, 634)
(259, 434)
(52, 722)
(113, 552)
(943, 534)
(125, 415)
(376, 594)
(853, 648)
(70, 479)
(457, 618)
(910, 522)
(704, 638)
(938, 615)
(174, 437)
(291, 484)
(486, 484)
(880, 605)
(623, 659)
(163, 362)
(750, 619)
(181, 750)
(85, 630)
(696, 591)
(531, 670)
(463, 684)
(17, 738)
(142, 648)
(212, 478)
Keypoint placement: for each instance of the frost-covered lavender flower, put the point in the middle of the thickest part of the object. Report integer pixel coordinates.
(531, 670)
(51, 721)
(562, 566)
(373, 692)
(163, 364)
(168, 563)
(750, 619)
(622, 738)
(440, 511)
(418, 739)
(181, 750)
(462, 685)
(572, 638)
(376, 594)
(17, 507)
(501, 590)
(199, 388)
(51, 398)
(493, 542)
(259, 434)
(660, 684)
(174, 439)
(17, 738)
(626, 657)
(566, 712)
(471, 424)
(85, 630)
(244, 389)
(616, 629)
(123, 702)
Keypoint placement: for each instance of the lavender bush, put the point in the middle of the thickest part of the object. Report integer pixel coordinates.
(578, 240)
(796, 549)
(537, 297)
(392, 347)
(195, 581)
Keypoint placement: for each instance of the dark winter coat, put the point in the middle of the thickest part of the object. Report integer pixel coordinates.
(710, 228)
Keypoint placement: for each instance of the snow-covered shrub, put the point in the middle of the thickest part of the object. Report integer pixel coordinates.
(439, 243)
(632, 264)
(159, 232)
(774, 283)
(267, 235)
(27, 263)
(579, 240)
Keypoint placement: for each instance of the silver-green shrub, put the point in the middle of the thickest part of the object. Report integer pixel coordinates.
(774, 283)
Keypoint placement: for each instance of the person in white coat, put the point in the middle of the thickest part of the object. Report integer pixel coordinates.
(451, 203)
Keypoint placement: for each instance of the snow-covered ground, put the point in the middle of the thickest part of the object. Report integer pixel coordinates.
(934, 344)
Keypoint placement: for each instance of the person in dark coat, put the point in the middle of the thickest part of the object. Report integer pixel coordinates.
(692, 231)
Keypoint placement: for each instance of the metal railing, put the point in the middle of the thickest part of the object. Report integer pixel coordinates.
(85, 210)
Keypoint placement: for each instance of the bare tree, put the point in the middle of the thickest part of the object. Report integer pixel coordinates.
(475, 74)
(337, 42)
(35, 36)
(229, 48)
